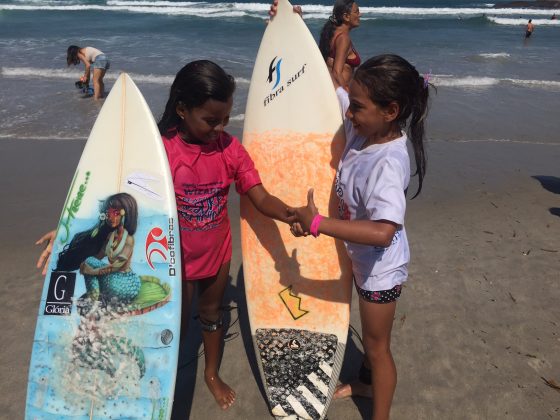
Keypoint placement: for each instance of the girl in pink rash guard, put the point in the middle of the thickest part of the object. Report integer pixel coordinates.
(204, 162)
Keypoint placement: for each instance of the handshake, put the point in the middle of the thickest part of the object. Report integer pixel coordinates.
(304, 220)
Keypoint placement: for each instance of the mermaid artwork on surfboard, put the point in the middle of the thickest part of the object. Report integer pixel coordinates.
(103, 255)
(111, 282)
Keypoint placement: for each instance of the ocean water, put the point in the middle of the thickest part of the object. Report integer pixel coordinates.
(492, 84)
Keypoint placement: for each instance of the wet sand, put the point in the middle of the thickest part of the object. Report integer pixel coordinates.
(477, 328)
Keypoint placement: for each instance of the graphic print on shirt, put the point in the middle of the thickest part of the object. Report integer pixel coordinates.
(395, 239)
(343, 211)
(201, 207)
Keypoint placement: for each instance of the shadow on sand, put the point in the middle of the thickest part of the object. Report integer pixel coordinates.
(552, 184)
(191, 353)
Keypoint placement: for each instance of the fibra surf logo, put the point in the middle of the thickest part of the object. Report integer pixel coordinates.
(274, 78)
(156, 243)
(274, 70)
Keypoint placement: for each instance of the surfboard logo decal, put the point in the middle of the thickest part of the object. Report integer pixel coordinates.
(156, 243)
(274, 69)
(60, 293)
(71, 208)
(141, 182)
(292, 302)
(276, 90)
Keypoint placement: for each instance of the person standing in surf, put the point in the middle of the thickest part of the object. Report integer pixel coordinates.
(371, 184)
(92, 58)
(336, 45)
(529, 29)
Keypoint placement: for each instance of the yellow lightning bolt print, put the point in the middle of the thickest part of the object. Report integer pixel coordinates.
(292, 302)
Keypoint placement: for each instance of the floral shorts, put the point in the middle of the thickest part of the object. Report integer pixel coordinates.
(380, 296)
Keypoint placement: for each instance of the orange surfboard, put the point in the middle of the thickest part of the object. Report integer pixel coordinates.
(298, 296)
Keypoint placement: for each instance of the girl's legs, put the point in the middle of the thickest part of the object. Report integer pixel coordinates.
(187, 290)
(210, 297)
(98, 85)
(377, 322)
(354, 389)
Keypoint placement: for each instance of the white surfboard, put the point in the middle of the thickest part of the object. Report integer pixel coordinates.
(106, 345)
(297, 295)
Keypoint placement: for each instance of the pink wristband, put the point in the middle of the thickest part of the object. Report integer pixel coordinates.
(314, 228)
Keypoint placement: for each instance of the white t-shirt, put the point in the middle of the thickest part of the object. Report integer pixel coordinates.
(370, 185)
(91, 53)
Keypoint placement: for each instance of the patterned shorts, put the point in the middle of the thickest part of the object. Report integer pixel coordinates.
(380, 296)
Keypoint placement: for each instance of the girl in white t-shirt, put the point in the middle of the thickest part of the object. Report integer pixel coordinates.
(371, 183)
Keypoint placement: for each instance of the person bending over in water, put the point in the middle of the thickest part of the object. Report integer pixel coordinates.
(92, 58)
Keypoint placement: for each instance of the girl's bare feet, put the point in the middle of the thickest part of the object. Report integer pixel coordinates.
(224, 395)
(353, 389)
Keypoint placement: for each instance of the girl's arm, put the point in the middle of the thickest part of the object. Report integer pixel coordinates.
(342, 51)
(45, 257)
(366, 232)
(270, 205)
(84, 60)
(121, 261)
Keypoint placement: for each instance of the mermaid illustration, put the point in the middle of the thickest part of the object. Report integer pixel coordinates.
(111, 238)
(103, 256)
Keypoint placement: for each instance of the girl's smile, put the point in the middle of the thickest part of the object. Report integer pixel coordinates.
(204, 124)
(370, 120)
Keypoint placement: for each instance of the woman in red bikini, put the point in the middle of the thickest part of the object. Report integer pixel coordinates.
(335, 43)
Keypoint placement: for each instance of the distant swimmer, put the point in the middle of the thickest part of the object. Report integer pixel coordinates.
(530, 28)
(553, 17)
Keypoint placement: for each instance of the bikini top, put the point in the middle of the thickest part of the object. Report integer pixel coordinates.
(352, 62)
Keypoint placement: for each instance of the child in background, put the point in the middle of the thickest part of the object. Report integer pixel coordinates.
(204, 162)
(371, 183)
(92, 58)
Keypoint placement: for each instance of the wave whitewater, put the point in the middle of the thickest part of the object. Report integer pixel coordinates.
(483, 82)
(437, 80)
(34, 73)
(522, 21)
(259, 10)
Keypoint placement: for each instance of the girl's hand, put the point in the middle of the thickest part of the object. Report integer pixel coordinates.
(105, 270)
(87, 270)
(297, 230)
(45, 257)
(274, 9)
(306, 214)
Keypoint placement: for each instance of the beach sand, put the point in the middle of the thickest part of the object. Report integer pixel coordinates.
(477, 327)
